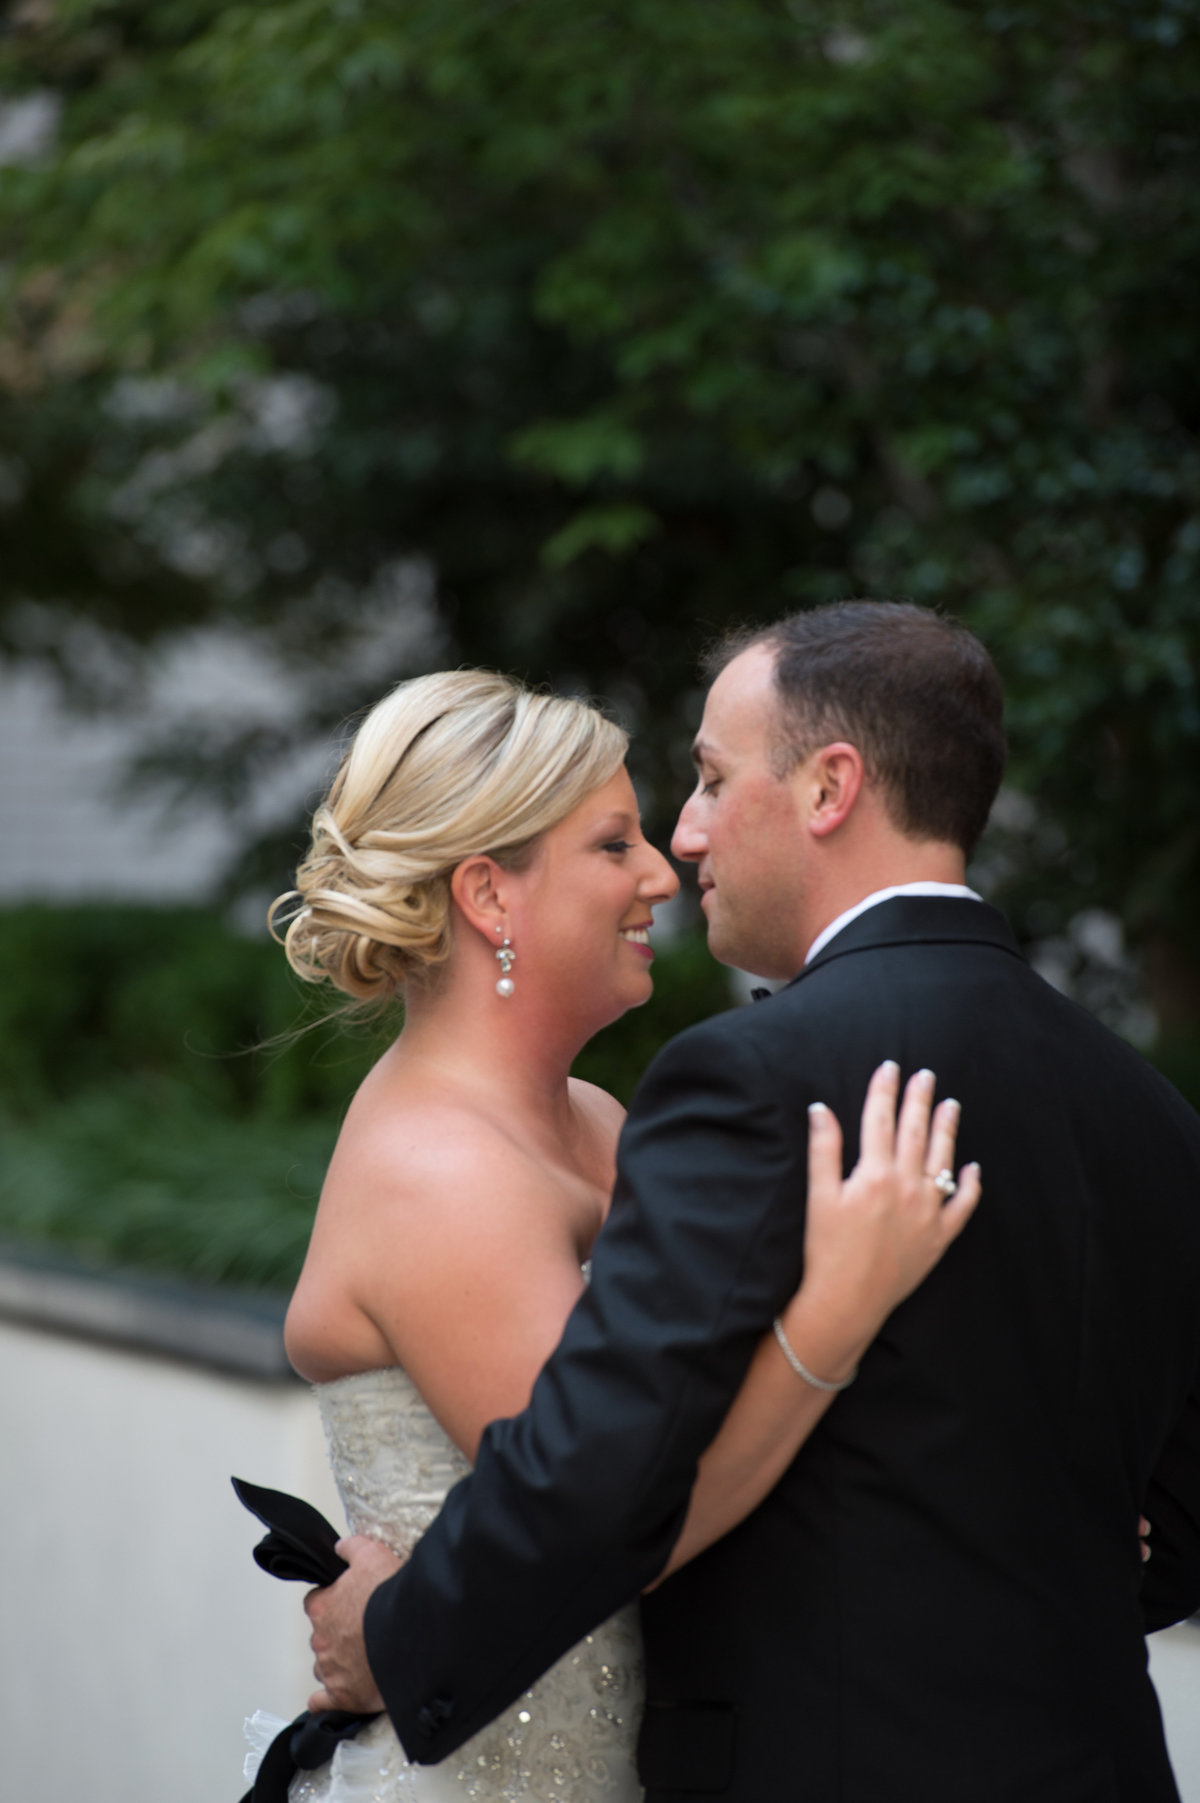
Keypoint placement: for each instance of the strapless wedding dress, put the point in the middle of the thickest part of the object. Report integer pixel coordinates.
(568, 1740)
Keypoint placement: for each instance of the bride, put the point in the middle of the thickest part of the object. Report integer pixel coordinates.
(480, 854)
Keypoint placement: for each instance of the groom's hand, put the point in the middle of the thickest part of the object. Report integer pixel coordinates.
(336, 1613)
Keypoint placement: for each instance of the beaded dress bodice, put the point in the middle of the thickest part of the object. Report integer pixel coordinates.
(391, 1461)
(570, 1739)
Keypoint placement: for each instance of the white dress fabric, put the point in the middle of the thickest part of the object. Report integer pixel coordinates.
(570, 1739)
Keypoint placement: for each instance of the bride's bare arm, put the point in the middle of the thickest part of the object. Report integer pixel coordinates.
(868, 1243)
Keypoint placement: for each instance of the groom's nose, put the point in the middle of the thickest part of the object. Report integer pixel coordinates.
(688, 842)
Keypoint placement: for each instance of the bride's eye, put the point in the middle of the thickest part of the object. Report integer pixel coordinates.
(617, 845)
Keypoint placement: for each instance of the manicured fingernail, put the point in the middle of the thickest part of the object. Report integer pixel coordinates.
(952, 1105)
(890, 1068)
(816, 1111)
(972, 1170)
(926, 1076)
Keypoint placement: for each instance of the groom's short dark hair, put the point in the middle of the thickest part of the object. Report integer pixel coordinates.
(913, 689)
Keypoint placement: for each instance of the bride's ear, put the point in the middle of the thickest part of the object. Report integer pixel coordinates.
(475, 886)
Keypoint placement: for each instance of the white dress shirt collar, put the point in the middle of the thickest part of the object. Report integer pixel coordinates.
(822, 939)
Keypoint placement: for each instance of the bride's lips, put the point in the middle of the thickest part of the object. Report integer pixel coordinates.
(639, 945)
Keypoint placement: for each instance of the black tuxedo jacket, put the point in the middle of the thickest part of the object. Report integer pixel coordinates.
(943, 1598)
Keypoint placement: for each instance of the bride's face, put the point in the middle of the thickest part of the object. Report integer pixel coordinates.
(583, 909)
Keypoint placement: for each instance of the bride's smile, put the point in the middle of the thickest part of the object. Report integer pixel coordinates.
(579, 917)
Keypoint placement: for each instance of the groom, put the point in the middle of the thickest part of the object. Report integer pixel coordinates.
(942, 1600)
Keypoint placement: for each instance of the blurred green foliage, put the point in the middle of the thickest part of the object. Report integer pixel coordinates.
(632, 321)
(144, 1174)
(96, 994)
(158, 1108)
(153, 1110)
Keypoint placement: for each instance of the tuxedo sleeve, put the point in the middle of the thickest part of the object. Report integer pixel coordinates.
(1171, 1580)
(574, 1505)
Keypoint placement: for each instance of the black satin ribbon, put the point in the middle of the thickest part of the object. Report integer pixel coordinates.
(301, 1543)
(298, 1546)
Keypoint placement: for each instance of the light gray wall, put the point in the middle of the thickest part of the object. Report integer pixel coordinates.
(138, 1631)
(66, 834)
(65, 828)
(68, 828)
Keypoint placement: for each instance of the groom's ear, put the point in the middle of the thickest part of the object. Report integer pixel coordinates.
(834, 780)
(476, 886)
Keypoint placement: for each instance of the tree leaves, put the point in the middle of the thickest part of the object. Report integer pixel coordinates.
(637, 321)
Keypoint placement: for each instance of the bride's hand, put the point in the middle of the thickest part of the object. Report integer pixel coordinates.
(871, 1238)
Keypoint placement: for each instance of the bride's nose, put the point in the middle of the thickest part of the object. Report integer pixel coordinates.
(659, 881)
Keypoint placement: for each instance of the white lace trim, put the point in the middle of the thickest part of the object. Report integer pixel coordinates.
(260, 1730)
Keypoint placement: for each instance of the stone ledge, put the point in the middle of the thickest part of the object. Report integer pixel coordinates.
(220, 1329)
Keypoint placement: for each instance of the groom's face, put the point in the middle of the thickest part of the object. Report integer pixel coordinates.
(742, 826)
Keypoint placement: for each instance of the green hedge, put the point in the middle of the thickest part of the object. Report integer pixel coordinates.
(149, 1174)
(90, 996)
(150, 1114)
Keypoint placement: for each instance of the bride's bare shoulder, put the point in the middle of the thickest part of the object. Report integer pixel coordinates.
(419, 1148)
(422, 1194)
(434, 1165)
(600, 1107)
(430, 1207)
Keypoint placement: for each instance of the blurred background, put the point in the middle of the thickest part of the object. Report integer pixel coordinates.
(340, 342)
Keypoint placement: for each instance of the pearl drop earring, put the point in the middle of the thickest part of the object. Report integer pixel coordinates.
(507, 958)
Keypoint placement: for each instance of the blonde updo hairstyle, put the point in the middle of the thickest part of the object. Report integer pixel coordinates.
(446, 767)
